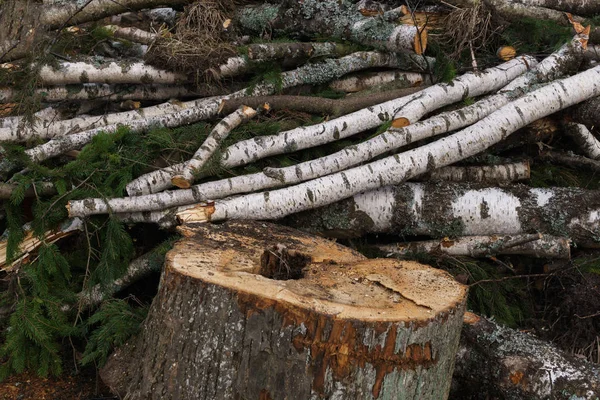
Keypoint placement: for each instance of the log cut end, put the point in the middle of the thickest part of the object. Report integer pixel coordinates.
(181, 182)
(272, 311)
(314, 274)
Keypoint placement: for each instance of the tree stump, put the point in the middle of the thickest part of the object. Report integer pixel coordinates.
(251, 310)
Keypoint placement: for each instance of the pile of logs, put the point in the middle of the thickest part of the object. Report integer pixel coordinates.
(414, 178)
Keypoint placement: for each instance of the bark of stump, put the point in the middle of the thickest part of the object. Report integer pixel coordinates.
(340, 327)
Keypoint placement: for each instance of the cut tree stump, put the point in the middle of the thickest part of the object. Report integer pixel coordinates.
(251, 310)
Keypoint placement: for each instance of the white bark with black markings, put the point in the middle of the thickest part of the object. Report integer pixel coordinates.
(470, 84)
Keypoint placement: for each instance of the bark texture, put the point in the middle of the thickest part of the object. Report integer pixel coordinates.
(257, 311)
(331, 18)
(514, 365)
(453, 209)
(531, 245)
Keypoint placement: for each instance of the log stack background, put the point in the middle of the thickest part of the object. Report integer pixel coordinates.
(311, 114)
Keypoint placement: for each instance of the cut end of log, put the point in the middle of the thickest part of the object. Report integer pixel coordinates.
(400, 122)
(506, 53)
(280, 267)
(420, 44)
(248, 112)
(181, 182)
(196, 214)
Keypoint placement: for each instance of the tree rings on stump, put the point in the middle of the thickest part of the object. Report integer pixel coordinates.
(252, 310)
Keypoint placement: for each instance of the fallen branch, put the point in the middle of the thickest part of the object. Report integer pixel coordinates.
(571, 160)
(132, 34)
(417, 105)
(40, 189)
(278, 177)
(584, 139)
(364, 81)
(308, 74)
(31, 242)
(531, 245)
(137, 269)
(395, 169)
(211, 144)
(319, 105)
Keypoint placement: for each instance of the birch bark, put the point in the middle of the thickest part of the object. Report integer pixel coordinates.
(398, 168)
(211, 144)
(459, 209)
(107, 92)
(584, 139)
(247, 151)
(331, 18)
(113, 72)
(531, 245)
(323, 166)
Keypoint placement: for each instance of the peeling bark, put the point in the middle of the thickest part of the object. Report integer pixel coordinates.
(254, 310)
(532, 245)
(513, 365)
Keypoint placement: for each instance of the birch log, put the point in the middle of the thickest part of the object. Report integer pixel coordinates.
(132, 34)
(507, 363)
(90, 91)
(481, 173)
(331, 18)
(316, 73)
(367, 80)
(531, 245)
(588, 8)
(405, 163)
(288, 315)
(74, 13)
(470, 84)
(211, 144)
(459, 209)
(308, 74)
(113, 72)
(588, 144)
(137, 269)
(270, 51)
(398, 168)
(561, 62)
